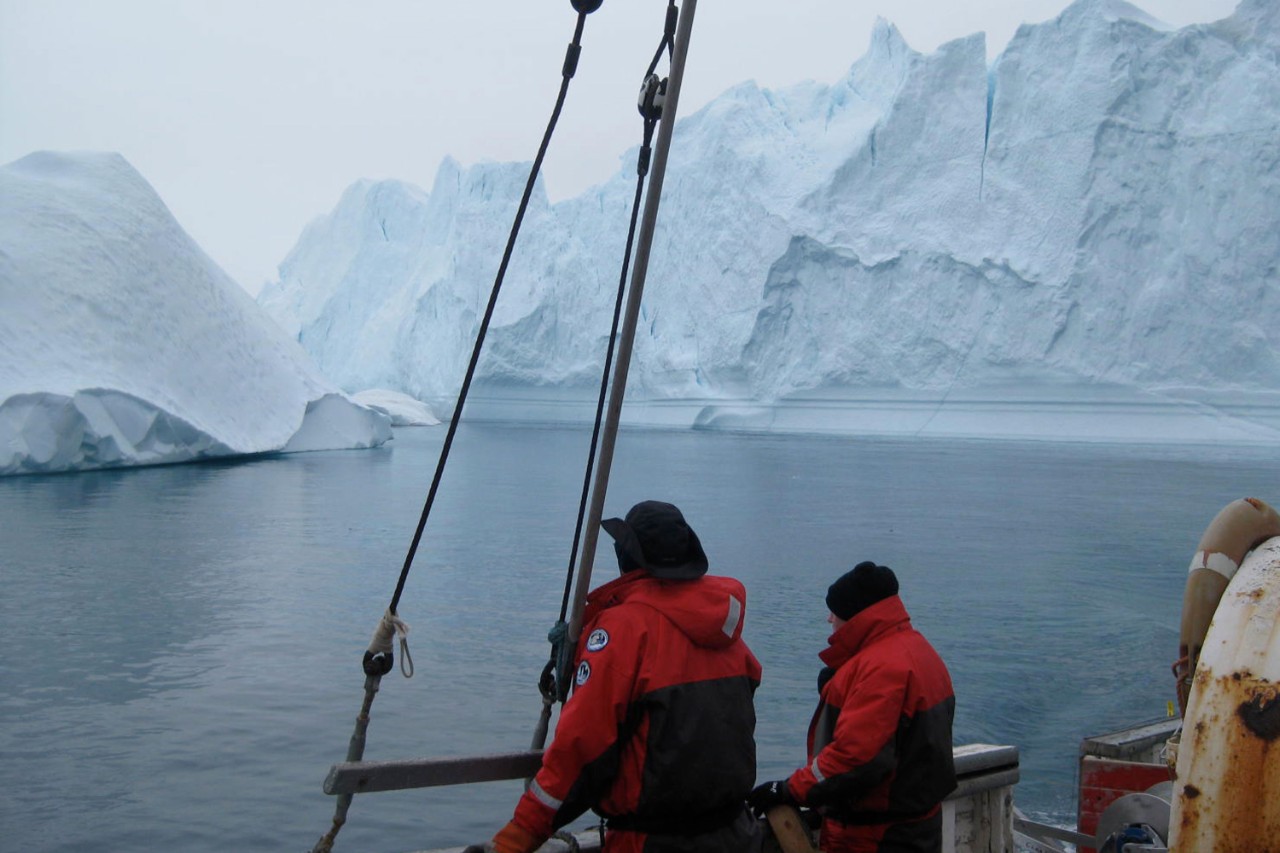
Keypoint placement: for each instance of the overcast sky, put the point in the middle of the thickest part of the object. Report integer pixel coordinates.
(250, 117)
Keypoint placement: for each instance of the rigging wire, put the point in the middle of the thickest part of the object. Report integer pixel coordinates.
(378, 658)
(554, 681)
(570, 66)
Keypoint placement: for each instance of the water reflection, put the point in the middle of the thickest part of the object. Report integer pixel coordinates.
(183, 643)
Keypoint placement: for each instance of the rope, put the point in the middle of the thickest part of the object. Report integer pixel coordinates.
(554, 681)
(388, 628)
(567, 72)
(378, 657)
(1182, 674)
(355, 751)
(571, 842)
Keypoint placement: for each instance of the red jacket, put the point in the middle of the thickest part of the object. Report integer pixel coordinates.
(658, 736)
(880, 742)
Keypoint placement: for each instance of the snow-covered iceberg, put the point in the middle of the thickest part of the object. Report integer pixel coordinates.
(122, 343)
(401, 408)
(1089, 225)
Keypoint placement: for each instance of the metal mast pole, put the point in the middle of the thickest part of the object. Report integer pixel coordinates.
(627, 334)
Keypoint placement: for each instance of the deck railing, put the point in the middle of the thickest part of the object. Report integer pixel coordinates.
(977, 817)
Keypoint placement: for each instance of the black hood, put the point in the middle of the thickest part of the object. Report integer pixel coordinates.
(654, 536)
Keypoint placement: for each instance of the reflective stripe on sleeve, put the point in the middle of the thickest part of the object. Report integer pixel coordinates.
(735, 616)
(543, 797)
(817, 774)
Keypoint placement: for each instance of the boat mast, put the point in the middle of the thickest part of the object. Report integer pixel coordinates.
(358, 776)
(627, 334)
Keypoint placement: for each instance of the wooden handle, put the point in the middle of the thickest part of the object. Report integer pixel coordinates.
(790, 830)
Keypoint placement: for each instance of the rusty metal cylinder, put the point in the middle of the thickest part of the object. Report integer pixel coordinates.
(1227, 790)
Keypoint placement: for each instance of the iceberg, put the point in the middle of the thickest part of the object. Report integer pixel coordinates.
(401, 408)
(122, 343)
(1091, 221)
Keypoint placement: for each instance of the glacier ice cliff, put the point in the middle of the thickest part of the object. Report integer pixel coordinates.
(122, 343)
(1089, 224)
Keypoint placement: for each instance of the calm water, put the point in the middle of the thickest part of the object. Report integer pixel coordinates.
(181, 645)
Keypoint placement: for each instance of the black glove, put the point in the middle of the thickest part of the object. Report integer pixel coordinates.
(764, 797)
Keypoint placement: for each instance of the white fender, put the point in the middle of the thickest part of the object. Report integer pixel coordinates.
(1227, 786)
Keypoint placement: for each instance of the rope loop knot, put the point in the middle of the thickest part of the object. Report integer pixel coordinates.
(379, 659)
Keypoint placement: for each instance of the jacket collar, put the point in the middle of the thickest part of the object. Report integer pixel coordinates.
(614, 592)
(881, 619)
(632, 584)
(709, 610)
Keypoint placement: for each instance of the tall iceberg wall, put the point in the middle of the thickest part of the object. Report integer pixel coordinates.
(1097, 209)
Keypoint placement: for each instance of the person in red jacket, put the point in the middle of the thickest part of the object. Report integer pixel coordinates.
(880, 751)
(658, 737)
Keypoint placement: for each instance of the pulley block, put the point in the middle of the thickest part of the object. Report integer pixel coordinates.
(653, 95)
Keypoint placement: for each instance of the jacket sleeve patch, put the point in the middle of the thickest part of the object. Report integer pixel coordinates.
(584, 672)
(598, 640)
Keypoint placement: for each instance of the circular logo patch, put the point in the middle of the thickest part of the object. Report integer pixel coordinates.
(584, 672)
(598, 640)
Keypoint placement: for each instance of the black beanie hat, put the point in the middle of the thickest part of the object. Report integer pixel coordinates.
(860, 588)
(656, 537)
